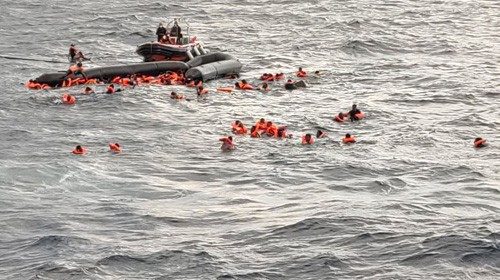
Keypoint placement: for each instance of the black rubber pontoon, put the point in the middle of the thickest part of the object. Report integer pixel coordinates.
(204, 67)
(212, 66)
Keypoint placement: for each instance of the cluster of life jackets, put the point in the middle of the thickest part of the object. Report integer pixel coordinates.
(79, 81)
(34, 85)
(268, 77)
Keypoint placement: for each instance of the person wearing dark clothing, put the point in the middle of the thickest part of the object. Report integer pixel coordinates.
(353, 112)
(161, 31)
(72, 51)
(175, 31)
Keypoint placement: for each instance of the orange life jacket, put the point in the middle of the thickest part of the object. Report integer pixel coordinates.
(67, 83)
(279, 76)
(337, 119)
(81, 152)
(225, 89)
(115, 148)
(68, 99)
(255, 134)
(91, 82)
(272, 131)
(243, 86)
(301, 74)
(239, 129)
(261, 126)
(359, 115)
(305, 142)
(480, 143)
(349, 140)
(116, 80)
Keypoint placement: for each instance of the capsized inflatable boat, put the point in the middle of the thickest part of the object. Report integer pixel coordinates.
(204, 68)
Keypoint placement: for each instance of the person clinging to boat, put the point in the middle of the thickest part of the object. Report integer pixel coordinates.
(75, 69)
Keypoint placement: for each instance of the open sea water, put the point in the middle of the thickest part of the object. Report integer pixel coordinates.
(411, 200)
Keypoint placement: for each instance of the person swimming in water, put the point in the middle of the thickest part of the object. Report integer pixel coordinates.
(88, 90)
(254, 132)
(227, 143)
(479, 142)
(320, 134)
(175, 95)
(307, 139)
(352, 113)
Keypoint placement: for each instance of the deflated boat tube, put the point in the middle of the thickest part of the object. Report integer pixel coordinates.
(109, 72)
(212, 66)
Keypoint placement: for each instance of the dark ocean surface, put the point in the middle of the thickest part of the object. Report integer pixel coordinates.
(411, 200)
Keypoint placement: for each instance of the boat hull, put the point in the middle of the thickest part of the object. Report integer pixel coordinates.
(160, 52)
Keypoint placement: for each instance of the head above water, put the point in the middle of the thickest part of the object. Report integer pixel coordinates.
(354, 106)
(230, 138)
(300, 69)
(253, 128)
(348, 135)
(319, 133)
(478, 139)
(308, 136)
(79, 64)
(289, 81)
(262, 120)
(78, 148)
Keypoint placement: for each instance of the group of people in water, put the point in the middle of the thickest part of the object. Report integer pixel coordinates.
(263, 128)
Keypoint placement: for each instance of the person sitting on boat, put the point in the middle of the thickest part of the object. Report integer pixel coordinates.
(74, 70)
(161, 31)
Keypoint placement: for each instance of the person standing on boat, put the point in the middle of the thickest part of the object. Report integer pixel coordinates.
(175, 31)
(161, 31)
